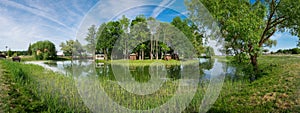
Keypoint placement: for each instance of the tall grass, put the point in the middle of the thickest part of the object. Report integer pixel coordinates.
(52, 92)
(275, 91)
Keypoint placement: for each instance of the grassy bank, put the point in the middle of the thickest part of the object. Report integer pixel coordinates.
(277, 90)
(36, 89)
(32, 58)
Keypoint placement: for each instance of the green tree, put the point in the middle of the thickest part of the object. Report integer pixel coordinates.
(138, 19)
(247, 27)
(266, 51)
(209, 52)
(107, 35)
(67, 47)
(165, 48)
(9, 53)
(295, 51)
(72, 47)
(44, 50)
(124, 22)
(166, 32)
(140, 33)
(91, 40)
(191, 32)
(29, 52)
(153, 25)
(78, 48)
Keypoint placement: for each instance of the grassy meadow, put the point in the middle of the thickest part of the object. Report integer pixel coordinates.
(35, 89)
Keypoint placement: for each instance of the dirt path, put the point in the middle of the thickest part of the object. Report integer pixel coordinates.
(4, 88)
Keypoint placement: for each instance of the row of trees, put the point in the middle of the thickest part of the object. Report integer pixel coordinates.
(11, 53)
(288, 51)
(247, 26)
(145, 36)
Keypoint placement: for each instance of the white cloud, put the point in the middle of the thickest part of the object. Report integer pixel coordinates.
(30, 21)
(106, 10)
(162, 6)
(276, 36)
(12, 34)
(34, 11)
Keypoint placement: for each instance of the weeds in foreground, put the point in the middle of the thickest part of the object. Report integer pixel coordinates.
(275, 91)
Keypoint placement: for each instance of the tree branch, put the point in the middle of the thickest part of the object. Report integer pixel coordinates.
(271, 24)
(276, 22)
(267, 38)
(267, 28)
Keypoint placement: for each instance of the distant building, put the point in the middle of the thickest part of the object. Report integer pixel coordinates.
(60, 54)
(2, 56)
(100, 57)
(133, 56)
(167, 57)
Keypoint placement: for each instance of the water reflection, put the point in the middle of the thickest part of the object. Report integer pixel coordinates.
(139, 73)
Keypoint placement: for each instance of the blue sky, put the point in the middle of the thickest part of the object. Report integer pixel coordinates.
(27, 21)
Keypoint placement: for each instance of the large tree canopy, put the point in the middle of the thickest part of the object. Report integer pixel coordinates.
(191, 32)
(72, 47)
(107, 35)
(44, 50)
(248, 27)
(150, 34)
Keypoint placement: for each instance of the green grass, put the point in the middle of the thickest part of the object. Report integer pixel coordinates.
(276, 90)
(39, 90)
(32, 58)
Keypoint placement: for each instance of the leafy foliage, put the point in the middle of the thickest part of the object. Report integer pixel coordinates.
(72, 47)
(44, 50)
(190, 30)
(91, 39)
(128, 31)
(247, 27)
(107, 35)
(289, 51)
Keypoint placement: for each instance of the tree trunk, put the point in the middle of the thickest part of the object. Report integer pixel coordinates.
(156, 47)
(254, 62)
(125, 56)
(105, 54)
(151, 56)
(143, 54)
(140, 56)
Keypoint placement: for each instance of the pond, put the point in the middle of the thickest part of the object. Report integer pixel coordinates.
(207, 69)
(149, 86)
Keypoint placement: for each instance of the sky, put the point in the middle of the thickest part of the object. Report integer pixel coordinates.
(28, 21)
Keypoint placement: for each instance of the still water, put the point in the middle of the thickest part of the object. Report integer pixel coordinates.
(206, 68)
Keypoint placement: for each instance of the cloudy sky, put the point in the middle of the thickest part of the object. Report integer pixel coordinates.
(27, 21)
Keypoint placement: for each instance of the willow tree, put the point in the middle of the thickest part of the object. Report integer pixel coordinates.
(248, 26)
(44, 50)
